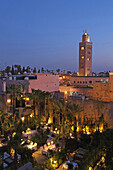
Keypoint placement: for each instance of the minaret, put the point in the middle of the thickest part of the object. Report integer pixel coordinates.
(85, 56)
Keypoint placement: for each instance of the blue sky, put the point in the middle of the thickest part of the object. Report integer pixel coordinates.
(47, 32)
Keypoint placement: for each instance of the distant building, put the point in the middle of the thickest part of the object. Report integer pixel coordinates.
(85, 56)
(45, 82)
(42, 81)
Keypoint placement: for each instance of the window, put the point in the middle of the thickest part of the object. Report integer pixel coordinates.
(74, 81)
(90, 82)
(87, 59)
(86, 82)
(77, 81)
(82, 48)
(82, 57)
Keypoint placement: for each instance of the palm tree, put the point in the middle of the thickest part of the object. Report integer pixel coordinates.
(14, 143)
(2, 119)
(17, 91)
(47, 96)
(42, 70)
(58, 70)
(36, 96)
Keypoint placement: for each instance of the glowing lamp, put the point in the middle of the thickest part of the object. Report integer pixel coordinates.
(51, 142)
(14, 133)
(27, 98)
(70, 134)
(8, 100)
(48, 143)
(23, 118)
(31, 115)
(55, 161)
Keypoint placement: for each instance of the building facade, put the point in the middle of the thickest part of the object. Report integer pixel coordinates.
(85, 56)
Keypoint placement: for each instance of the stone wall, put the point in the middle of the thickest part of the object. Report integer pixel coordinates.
(45, 82)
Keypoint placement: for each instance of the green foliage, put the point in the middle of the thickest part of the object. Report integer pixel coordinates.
(85, 140)
(39, 166)
(71, 145)
(102, 145)
(26, 155)
(34, 70)
(49, 165)
(40, 138)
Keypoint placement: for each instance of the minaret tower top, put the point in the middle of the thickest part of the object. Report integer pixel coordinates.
(85, 37)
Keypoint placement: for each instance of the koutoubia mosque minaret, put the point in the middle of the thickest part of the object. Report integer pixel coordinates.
(85, 55)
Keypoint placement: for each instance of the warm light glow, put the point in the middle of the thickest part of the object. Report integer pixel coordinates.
(51, 160)
(48, 143)
(86, 130)
(82, 57)
(59, 149)
(51, 142)
(55, 128)
(82, 48)
(12, 152)
(27, 98)
(14, 133)
(28, 129)
(65, 92)
(90, 168)
(63, 77)
(58, 132)
(101, 128)
(77, 73)
(72, 128)
(111, 73)
(8, 100)
(87, 59)
(70, 134)
(103, 159)
(31, 115)
(55, 161)
(60, 78)
(23, 119)
(77, 128)
(49, 121)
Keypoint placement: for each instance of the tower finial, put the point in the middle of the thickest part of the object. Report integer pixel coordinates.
(85, 30)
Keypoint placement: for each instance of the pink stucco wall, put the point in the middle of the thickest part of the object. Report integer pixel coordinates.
(45, 82)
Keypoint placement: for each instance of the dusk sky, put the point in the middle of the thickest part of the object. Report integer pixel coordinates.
(47, 33)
